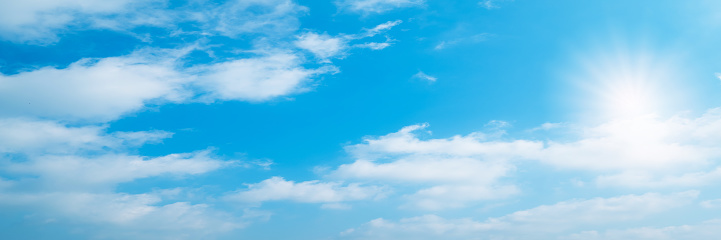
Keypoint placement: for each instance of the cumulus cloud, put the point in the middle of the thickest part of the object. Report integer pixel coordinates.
(539, 222)
(71, 172)
(461, 169)
(92, 89)
(637, 152)
(257, 79)
(279, 189)
(645, 151)
(99, 90)
(376, 6)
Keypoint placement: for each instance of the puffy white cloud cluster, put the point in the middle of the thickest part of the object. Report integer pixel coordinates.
(62, 172)
(57, 157)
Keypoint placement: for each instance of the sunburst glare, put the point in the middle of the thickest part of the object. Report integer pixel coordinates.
(626, 84)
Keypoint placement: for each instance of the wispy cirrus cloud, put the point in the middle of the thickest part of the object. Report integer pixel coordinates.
(325, 47)
(41, 21)
(376, 6)
(423, 76)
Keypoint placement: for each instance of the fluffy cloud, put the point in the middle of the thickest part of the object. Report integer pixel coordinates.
(644, 151)
(460, 169)
(95, 90)
(278, 189)
(540, 222)
(257, 79)
(635, 152)
(376, 6)
(323, 46)
(62, 172)
(106, 89)
(101, 90)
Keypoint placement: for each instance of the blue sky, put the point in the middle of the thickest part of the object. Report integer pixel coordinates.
(360, 119)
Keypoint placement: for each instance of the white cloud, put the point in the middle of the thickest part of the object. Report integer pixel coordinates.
(406, 142)
(707, 230)
(463, 40)
(234, 18)
(80, 157)
(423, 76)
(62, 172)
(711, 204)
(645, 151)
(373, 45)
(102, 90)
(641, 152)
(258, 79)
(323, 46)
(539, 223)
(381, 28)
(40, 21)
(43, 136)
(460, 169)
(376, 6)
(95, 90)
(423, 227)
(123, 216)
(572, 214)
(74, 171)
(105, 89)
(278, 189)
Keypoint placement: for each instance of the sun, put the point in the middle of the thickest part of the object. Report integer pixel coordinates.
(627, 97)
(625, 84)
